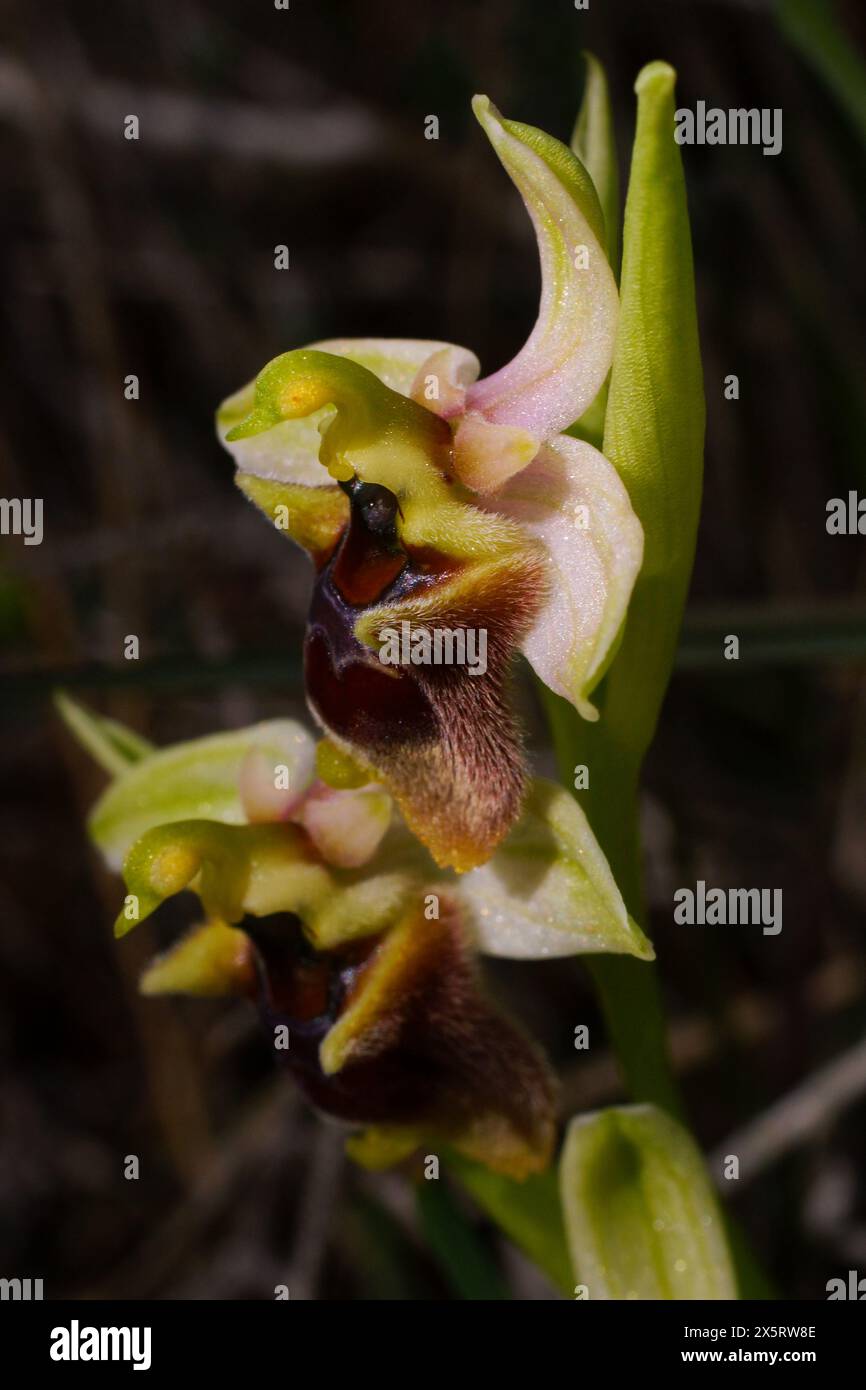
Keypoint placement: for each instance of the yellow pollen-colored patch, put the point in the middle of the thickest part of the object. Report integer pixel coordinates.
(302, 399)
(341, 471)
(173, 870)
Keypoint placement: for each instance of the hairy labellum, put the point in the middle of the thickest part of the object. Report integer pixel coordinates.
(394, 1032)
(445, 742)
(468, 511)
(321, 907)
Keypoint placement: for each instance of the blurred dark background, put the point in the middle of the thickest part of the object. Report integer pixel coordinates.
(156, 257)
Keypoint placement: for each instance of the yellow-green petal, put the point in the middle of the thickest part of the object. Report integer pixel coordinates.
(288, 452)
(199, 854)
(262, 870)
(313, 517)
(212, 960)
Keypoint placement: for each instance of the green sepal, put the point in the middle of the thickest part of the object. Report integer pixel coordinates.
(548, 890)
(641, 1217)
(197, 779)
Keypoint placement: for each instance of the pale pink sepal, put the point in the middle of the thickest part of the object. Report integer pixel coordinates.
(271, 790)
(573, 500)
(560, 369)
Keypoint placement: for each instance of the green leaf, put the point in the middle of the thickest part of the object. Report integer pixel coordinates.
(811, 26)
(528, 1212)
(654, 427)
(641, 1217)
(109, 743)
(461, 1253)
(594, 143)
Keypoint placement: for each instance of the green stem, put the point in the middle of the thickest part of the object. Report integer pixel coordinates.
(630, 998)
(628, 989)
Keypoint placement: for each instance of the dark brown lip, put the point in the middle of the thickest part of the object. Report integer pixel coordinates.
(353, 694)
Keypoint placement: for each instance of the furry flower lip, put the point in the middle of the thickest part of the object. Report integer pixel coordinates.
(450, 502)
(395, 1034)
(320, 908)
(443, 646)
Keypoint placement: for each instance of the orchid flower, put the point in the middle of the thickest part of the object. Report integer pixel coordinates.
(346, 887)
(391, 1034)
(452, 503)
(320, 906)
